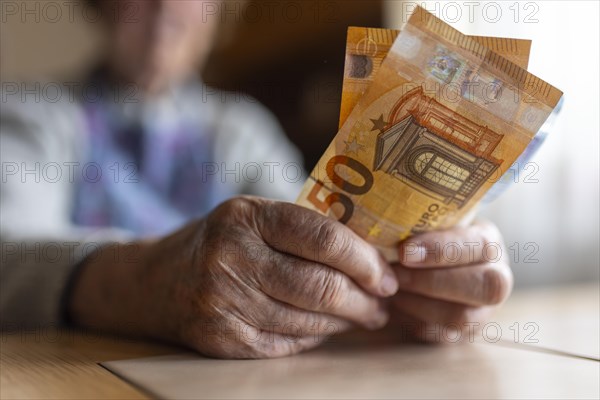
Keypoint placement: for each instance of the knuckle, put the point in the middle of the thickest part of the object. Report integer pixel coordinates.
(327, 234)
(235, 209)
(342, 248)
(277, 214)
(329, 290)
(367, 273)
(276, 271)
(496, 286)
(339, 246)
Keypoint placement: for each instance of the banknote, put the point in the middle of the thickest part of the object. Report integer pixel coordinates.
(367, 47)
(443, 117)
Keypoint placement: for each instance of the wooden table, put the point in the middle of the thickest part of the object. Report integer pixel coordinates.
(48, 363)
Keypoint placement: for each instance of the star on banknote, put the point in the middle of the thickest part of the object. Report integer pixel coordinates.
(378, 124)
(374, 230)
(353, 146)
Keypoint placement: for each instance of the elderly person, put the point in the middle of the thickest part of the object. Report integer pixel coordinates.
(121, 212)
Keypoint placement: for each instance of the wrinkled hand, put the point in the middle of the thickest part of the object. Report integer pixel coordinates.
(256, 278)
(450, 282)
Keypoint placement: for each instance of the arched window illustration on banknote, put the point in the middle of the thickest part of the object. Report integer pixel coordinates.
(435, 150)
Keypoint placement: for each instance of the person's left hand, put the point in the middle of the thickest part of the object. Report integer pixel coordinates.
(450, 282)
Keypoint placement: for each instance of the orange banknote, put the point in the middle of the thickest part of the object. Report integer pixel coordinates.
(367, 47)
(441, 116)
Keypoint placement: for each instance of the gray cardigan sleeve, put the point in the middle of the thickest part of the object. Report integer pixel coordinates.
(39, 246)
(41, 148)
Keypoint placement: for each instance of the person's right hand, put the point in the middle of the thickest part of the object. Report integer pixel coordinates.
(256, 278)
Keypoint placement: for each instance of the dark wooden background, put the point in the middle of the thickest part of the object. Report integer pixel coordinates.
(291, 59)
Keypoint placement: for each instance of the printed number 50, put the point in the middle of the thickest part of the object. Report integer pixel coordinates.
(344, 185)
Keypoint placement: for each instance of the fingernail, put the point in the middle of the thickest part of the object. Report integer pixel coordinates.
(414, 254)
(389, 284)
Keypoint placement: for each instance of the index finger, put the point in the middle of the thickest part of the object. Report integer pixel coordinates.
(305, 233)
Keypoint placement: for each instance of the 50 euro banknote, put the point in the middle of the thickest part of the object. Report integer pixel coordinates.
(366, 49)
(430, 120)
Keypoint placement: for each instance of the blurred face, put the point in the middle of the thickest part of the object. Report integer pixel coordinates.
(154, 43)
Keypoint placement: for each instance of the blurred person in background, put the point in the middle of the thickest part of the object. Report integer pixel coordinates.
(134, 224)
